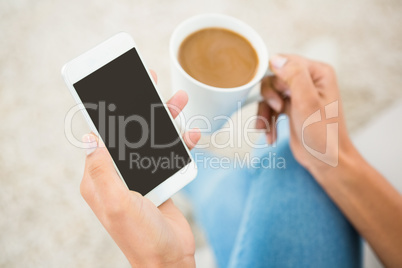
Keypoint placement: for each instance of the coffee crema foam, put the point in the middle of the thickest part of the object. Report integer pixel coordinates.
(218, 57)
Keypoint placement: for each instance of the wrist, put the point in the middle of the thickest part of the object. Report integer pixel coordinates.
(156, 262)
(348, 160)
(186, 262)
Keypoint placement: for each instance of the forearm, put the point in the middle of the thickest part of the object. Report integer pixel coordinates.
(370, 203)
(155, 262)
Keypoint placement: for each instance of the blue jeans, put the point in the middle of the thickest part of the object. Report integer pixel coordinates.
(270, 214)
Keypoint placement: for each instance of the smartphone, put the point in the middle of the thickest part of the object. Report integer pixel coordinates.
(120, 101)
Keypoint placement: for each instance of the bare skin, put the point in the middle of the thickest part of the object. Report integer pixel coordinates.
(299, 88)
(161, 237)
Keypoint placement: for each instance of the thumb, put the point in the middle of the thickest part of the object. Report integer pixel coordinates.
(294, 71)
(100, 177)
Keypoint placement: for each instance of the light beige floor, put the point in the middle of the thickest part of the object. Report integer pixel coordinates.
(43, 220)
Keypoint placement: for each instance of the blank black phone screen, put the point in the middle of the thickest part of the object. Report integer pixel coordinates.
(129, 116)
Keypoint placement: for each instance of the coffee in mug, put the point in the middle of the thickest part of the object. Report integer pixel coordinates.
(199, 48)
(218, 57)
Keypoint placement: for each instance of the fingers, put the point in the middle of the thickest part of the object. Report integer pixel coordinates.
(271, 95)
(192, 137)
(269, 110)
(288, 67)
(177, 103)
(263, 113)
(295, 72)
(154, 76)
(280, 87)
(324, 78)
(271, 133)
(266, 120)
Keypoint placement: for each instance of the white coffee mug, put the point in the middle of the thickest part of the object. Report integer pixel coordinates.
(208, 106)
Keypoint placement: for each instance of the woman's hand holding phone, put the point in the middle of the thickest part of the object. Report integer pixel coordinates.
(149, 236)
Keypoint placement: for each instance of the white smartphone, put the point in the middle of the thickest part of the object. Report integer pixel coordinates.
(121, 104)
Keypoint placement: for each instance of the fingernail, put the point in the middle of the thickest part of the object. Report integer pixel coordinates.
(278, 61)
(287, 93)
(90, 143)
(274, 104)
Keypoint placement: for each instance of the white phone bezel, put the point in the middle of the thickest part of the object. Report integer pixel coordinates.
(92, 60)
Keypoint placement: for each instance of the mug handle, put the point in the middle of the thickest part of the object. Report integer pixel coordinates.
(256, 96)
